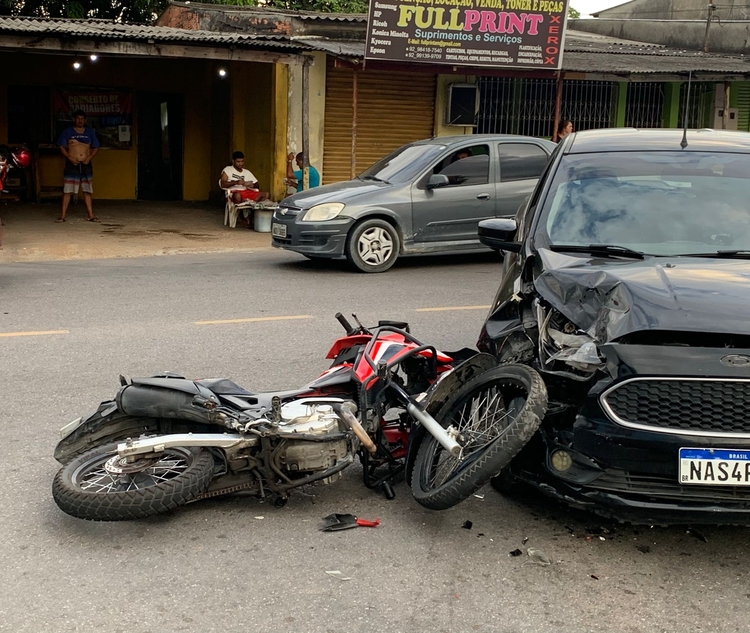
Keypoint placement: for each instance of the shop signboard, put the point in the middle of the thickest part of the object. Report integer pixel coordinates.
(488, 33)
(108, 111)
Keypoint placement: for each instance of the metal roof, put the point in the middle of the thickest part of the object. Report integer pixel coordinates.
(297, 13)
(108, 30)
(588, 53)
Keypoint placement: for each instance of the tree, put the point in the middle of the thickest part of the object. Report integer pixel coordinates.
(573, 14)
(149, 10)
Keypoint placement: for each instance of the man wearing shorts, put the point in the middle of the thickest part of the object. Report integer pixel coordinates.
(242, 183)
(79, 145)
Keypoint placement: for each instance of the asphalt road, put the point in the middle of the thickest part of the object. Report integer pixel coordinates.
(238, 564)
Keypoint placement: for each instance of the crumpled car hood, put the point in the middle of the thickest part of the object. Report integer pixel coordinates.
(610, 298)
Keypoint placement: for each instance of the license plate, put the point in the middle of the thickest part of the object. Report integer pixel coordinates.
(278, 230)
(715, 466)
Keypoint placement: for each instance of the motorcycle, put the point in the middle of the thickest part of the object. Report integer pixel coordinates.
(12, 158)
(447, 423)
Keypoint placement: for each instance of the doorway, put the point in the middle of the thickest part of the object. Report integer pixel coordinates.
(160, 145)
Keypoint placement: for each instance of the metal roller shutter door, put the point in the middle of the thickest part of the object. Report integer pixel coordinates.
(392, 109)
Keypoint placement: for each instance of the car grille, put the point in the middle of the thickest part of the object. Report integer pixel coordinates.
(689, 406)
(659, 487)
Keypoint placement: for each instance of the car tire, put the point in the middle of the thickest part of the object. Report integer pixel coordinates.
(373, 246)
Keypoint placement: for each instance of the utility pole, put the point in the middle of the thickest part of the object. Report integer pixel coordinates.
(711, 9)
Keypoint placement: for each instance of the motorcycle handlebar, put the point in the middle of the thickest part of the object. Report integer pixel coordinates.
(345, 324)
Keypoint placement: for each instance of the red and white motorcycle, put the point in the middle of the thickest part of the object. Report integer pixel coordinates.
(448, 422)
(10, 158)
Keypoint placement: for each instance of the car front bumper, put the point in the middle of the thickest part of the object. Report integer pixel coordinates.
(625, 450)
(317, 239)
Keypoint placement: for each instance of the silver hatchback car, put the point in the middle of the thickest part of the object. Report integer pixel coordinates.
(426, 197)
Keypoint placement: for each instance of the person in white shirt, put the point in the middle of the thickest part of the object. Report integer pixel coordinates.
(242, 183)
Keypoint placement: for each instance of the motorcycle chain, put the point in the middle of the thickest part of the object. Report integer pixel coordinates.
(227, 491)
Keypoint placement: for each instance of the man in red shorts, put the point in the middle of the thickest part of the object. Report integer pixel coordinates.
(242, 183)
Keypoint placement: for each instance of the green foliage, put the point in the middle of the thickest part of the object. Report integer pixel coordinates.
(119, 10)
(573, 14)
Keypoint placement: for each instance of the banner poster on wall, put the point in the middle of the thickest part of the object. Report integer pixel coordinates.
(108, 112)
(490, 33)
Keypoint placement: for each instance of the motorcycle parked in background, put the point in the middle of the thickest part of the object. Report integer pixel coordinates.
(447, 422)
(12, 158)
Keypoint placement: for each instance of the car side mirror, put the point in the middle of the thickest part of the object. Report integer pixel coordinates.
(499, 234)
(437, 180)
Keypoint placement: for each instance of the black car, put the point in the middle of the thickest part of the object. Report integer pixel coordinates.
(626, 285)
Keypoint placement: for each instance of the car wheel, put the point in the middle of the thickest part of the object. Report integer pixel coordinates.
(373, 246)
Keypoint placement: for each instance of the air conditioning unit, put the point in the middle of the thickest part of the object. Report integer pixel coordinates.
(719, 119)
(463, 104)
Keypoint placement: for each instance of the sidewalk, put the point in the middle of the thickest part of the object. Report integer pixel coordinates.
(127, 229)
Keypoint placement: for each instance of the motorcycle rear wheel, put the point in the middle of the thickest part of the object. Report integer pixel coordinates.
(495, 414)
(89, 487)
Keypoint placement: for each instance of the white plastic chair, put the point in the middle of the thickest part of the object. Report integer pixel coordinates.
(232, 210)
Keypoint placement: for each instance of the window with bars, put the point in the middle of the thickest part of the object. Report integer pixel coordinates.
(699, 106)
(527, 106)
(644, 104)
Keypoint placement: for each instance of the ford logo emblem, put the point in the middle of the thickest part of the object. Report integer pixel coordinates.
(736, 360)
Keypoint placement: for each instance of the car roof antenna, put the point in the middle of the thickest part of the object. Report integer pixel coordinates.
(684, 141)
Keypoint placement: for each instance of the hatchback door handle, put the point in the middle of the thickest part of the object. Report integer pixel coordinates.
(483, 196)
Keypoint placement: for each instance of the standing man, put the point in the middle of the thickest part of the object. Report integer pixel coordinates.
(294, 178)
(79, 145)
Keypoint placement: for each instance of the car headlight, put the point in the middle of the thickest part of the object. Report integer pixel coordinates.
(321, 212)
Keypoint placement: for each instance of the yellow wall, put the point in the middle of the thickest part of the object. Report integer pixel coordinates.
(259, 121)
(257, 89)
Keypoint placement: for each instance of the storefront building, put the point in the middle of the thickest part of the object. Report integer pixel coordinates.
(169, 105)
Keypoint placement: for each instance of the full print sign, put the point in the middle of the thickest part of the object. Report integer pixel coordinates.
(493, 33)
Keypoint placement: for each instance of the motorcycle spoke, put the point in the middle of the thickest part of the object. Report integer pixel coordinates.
(99, 481)
(480, 421)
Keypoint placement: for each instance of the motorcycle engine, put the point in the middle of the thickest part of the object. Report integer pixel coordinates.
(308, 417)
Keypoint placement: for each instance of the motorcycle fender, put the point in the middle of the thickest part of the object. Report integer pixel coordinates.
(100, 427)
(439, 393)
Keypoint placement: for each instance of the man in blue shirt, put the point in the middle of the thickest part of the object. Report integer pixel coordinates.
(79, 145)
(294, 178)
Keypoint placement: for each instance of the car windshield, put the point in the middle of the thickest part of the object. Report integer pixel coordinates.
(402, 164)
(658, 203)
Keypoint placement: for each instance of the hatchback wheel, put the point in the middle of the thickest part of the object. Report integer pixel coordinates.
(373, 246)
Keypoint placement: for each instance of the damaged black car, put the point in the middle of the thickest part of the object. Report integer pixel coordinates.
(626, 285)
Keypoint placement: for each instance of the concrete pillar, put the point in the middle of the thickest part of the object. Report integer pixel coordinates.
(672, 115)
(620, 103)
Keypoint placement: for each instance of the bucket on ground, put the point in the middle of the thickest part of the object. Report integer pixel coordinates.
(262, 220)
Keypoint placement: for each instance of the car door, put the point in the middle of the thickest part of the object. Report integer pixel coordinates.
(519, 166)
(450, 213)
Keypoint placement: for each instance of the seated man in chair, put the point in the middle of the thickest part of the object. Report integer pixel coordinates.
(242, 184)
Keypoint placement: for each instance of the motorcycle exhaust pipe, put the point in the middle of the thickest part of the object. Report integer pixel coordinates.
(346, 415)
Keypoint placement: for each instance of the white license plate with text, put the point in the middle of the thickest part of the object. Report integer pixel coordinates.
(715, 466)
(278, 230)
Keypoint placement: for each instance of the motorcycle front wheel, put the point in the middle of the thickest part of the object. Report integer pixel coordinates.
(102, 486)
(495, 415)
